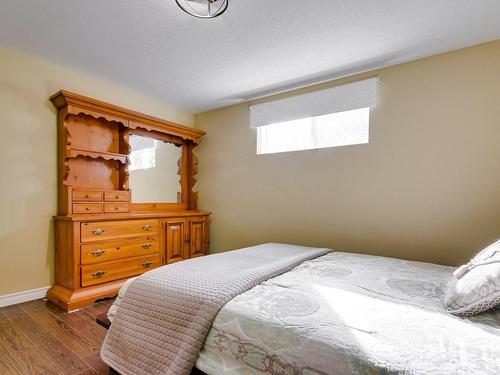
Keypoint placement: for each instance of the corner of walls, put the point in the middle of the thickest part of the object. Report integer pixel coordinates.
(29, 159)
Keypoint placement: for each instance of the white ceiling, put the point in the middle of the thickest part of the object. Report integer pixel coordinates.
(255, 48)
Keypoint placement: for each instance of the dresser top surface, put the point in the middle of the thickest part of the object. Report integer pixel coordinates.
(132, 215)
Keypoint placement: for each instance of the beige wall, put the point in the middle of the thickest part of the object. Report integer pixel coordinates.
(426, 187)
(28, 166)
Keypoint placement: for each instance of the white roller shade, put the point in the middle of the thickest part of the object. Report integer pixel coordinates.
(355, 95)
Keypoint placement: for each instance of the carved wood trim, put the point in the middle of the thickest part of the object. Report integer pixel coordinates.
(77, 104)
(195, 169)
(67, 139)
(157, 135)
(74, 152)
(179, 173)
(191, 165)
(66, 172)
(125, 148)
(77, 112)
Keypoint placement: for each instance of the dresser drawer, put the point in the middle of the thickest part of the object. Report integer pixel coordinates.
(116, 196)
(116, 207)
(106, 251)
(87, 208)
(87, 195)
(110, 230)
(103, 272)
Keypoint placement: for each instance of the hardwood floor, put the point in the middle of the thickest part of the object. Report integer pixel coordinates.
(39, 338)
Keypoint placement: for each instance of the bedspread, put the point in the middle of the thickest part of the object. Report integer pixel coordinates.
(351, 314)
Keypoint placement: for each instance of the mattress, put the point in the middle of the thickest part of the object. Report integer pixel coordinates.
(347, 313)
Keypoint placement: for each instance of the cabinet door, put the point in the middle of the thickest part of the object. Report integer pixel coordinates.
(176, 239)
(198, 240)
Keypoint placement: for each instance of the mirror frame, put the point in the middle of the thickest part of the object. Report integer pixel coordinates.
(187, 199)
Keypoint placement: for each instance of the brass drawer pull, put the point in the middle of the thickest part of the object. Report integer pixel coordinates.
(98, 231)
(98, 252)
(99, 274)
(147, 245)
(147, 264)
(147, 227)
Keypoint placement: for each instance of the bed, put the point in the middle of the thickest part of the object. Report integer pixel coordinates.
(343, 313)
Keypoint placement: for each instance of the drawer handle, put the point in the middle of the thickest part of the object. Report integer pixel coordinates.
(87, 208)
(87, 196)
(147, 245)
(116, 208)
(117, 196)
(98, 231)
(147, 264)
(99, 274)
(98, 252)
(147, 227)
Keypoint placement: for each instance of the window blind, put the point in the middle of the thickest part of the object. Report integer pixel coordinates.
(360, 94)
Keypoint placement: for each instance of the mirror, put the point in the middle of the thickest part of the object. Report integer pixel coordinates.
(153, 170)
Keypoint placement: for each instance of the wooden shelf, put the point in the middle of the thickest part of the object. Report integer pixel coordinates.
(74, 152)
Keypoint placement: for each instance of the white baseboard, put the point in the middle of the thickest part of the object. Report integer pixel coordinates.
(27, 295)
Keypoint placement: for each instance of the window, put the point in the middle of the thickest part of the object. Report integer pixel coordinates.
(143, 155)
(336, 129)
(337, 116)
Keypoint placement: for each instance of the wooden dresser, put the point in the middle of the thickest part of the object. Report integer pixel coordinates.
(102, 237)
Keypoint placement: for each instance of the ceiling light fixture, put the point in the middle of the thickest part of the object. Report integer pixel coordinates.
(203, 8)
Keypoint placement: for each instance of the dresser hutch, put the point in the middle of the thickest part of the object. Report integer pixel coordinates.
(102, 236)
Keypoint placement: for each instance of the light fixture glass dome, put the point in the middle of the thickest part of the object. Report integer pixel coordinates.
(203, 8)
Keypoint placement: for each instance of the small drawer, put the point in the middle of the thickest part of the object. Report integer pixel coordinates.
(116, 196)
(104, 252)
(116, 207)
(87, 208)
(110, 230)
(109, 271)
(87, 195)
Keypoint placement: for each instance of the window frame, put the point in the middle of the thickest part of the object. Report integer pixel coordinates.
(314, 124)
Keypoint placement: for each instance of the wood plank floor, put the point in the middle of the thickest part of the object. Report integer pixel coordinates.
(39, 338)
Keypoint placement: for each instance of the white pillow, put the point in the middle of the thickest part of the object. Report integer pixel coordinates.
(475, 287)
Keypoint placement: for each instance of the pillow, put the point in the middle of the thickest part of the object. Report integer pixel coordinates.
(475, 286)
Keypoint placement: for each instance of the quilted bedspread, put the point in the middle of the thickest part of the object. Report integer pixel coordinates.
(166, 314)
(351, 314)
